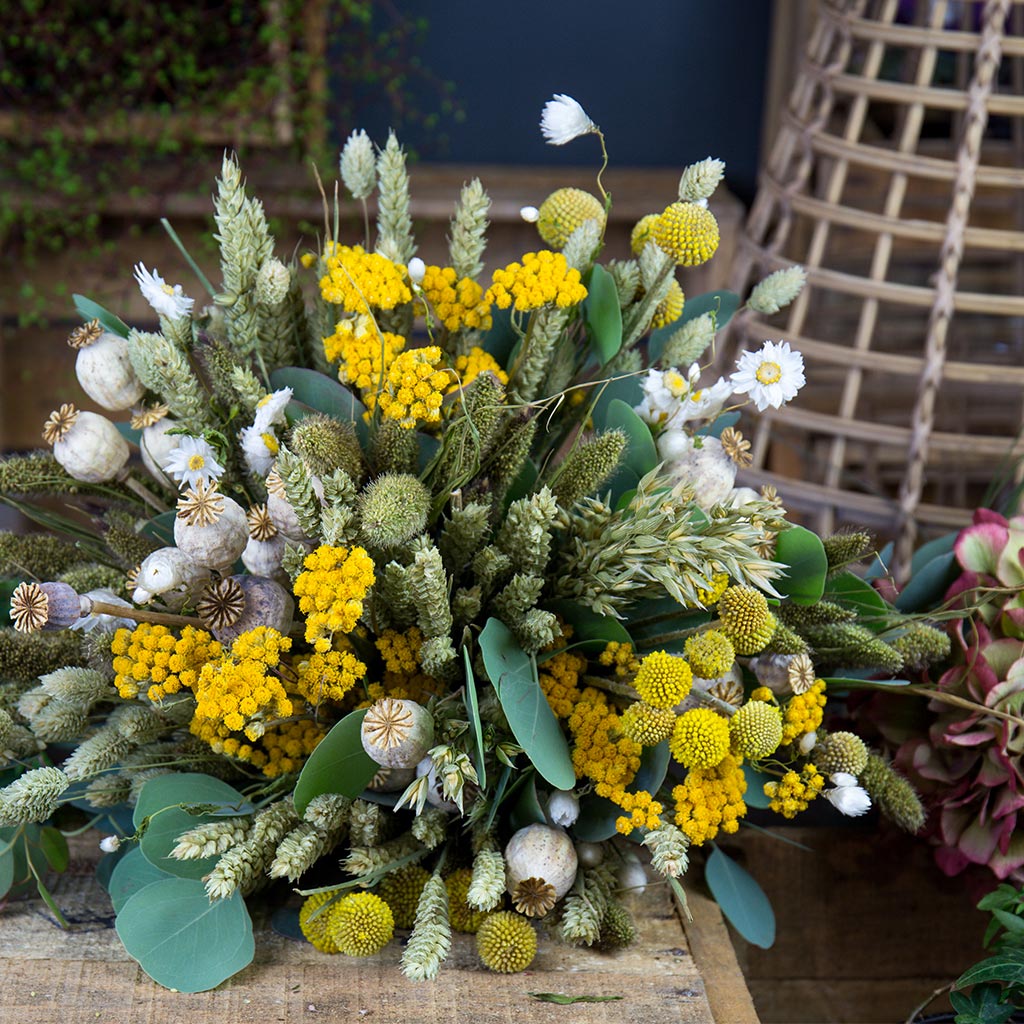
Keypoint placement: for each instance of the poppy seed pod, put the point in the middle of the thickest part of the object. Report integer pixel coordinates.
(86, 444)
(541, 852)
(264, 603)
(210, 528)
(397, 733)
(106, 374)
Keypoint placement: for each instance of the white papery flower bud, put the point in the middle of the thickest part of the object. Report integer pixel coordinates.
(110, 844)
(530, 214)
(563, 120)
(563, 808)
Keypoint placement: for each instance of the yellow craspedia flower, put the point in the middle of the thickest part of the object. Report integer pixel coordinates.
(762, 693)
(710, 595)
(700, 738)
(710, 654)
(315, 928)
(462, 916)
(688, 233)
(542, 279)
(506, 942)
(670, 309)
(415, 387)
(756, 729)
(564, 211)
(663, 680)
(642, 232)
(360, 924)
(746, 619)
(647, 725)
(401, 891)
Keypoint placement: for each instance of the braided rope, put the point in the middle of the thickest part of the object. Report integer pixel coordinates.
(968, 156)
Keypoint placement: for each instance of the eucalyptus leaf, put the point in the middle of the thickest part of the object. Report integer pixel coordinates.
(741, 899)
(501, 338)
(337, 765)
(54, 847)
(320, 392)
(526, 809)
(90, 310)
(926, 588)
(602, 314)
(623, 389)
(181, 939)
(932, 549)
(514, 675)
(160, 528)
(129, 433)
(132, 873)
(755, 795)
(804, 554)
(852, 592)
(473, 710)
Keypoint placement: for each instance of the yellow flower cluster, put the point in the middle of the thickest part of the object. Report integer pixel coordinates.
(710, 595)
(688, 233)
(150, 653)
(558, 679)
(475, 362)
(711, 799)
(365, 355)
(663, 680)
(710, 654)
(360, 924)
(418, 687)
(762, 693)
(414, 387)
(610, 763)
(643, 812)
(357, 280)
(457, 303)
(670, 309)
(281, 749)
(795, 791)
(804, 712)
(400, 651)
(756, 729)
(622, 657)
(543, 278)
(647, 725)
(230, 693)
(331, 592)
(328, 676)
(700, 738)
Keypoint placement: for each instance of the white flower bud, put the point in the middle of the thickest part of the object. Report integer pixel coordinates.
(563, 808)
(417, 268)
(110, 844)
(851, 800)
(807, 742)
(530, 214)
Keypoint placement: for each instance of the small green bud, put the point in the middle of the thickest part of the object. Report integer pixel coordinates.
(326, 444)
(777, 290)
(393, 509)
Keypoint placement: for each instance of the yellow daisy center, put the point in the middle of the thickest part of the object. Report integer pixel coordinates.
(167, 289)
(196, 462)
(676, 384)
(768, 373)
(271, 442)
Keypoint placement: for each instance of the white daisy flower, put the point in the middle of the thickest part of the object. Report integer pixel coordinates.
(771, 377)
(169, 301)
(704, 403)
(193, 460)
(848, 798)
(563, 120)
(260, 448)
(672, 400)
(270, 410)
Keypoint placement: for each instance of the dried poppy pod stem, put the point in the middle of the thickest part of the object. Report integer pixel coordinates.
(137, 487)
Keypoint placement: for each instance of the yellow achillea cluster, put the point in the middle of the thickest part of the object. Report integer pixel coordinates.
(357, 280)
(365, 355)
(558, 679)
(794, 791)
(700, 738)
(328, 676)
(804, 712)
(414, 387)
(230, 693)
(663, 680)
(475, 362)
(643, 812)
(331, 592)
(762, 693)
(400, 651)
(711, 799)
(543, 279)
(457, 303)
(610, 763)
(622, 657)
(418, 687)
(688, 233)
(153, 654)
(281, 749)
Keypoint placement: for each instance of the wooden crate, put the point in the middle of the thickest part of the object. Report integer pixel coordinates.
(684, 973)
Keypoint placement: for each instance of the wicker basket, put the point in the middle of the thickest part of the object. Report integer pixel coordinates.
(897, 180)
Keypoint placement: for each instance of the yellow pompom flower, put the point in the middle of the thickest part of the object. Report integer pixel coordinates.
(415, 387)
(642, 232)
(458, 303)
(564, 211)
(663, 680)
(475, 362)
(710, 654)
(688, 233)
(746, 619)
(670, 309)
(401, 891)
(365, 355)
(700, 738)
(647, 725)
(794, 791)
(756, 730)
(315, 928)
(710, 595)
(506, 942)
(542, 279)
(462, 916)
(360, 924)
(711, 799)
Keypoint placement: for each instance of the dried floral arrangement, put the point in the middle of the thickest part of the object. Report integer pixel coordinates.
(434, 598)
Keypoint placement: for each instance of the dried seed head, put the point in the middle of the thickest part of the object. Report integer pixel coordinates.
(131, 580)
(397, 733)
(261, 526)
(800, 673)
(85, 335)
(737, 447)
(29, 607)
(388, 723)
(147, 415)
(59, 423)
(274, 482)
(202, 505)
(533, 897)
(729, 691)
(222, 604)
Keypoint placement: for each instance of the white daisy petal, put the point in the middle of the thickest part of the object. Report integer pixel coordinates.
(169, 301)
(563, 120)
(771, 376)
(193, 460)
(260, 448)
(270, 410)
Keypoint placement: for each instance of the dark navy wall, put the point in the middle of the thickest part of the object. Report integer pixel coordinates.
(669, 81)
